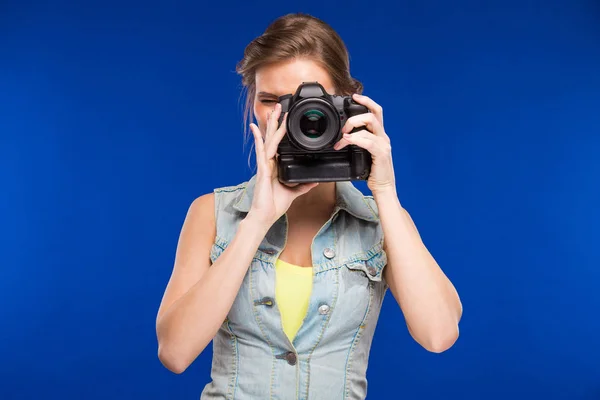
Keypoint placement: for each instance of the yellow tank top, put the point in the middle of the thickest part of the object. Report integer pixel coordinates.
(293, 285)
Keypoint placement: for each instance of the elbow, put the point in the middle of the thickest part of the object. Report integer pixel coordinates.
(171, 360)
(170, 355)
(446, 335)
(442, 341)
(176, 353)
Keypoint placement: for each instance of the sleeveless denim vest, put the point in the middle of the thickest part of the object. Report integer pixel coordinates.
(252, 357)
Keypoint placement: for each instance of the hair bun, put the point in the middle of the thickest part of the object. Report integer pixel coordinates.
(357, 86)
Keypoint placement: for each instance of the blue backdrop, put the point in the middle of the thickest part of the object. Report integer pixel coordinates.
(114, 116)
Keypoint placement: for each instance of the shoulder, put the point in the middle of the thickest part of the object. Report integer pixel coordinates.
(207, 201)
(226, 195)
(224, 205)
(205, 204)
(231, 189)
(201, 211)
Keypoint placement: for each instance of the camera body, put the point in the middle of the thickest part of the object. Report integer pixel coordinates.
(314, 124)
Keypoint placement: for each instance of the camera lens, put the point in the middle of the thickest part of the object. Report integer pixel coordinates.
(313, 123)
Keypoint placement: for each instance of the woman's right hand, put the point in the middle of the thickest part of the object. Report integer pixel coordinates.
(271, 198)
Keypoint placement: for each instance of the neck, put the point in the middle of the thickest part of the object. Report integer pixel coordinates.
(318, 202)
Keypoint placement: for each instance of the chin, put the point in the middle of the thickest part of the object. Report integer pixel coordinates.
(290, 184)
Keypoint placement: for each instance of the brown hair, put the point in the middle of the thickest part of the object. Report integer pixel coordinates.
(294, 36)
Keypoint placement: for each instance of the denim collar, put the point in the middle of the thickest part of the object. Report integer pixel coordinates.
(348, 198)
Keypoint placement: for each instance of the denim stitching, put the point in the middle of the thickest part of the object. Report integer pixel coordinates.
(368, 203)
(324, 326)
(357, 337)
(326, 322)
(233, 380)
(285, 240)
(230, 189)
(374, 252)
(366, 255)
(259, 322)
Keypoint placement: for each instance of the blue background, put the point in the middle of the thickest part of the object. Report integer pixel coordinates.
(114, 116)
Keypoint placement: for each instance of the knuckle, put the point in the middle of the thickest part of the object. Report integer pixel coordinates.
(386, 147)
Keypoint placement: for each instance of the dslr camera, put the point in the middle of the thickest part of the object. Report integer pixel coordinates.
(314, 124)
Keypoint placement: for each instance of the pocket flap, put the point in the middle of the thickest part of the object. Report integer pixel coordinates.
(372, 267)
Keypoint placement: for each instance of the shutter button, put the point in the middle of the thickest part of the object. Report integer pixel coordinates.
(329, 253)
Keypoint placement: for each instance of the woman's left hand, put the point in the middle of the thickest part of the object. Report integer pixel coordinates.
(373, 139)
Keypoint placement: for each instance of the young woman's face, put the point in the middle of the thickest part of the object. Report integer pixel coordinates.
(275, 80)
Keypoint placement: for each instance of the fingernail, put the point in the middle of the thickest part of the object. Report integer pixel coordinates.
(347, 135)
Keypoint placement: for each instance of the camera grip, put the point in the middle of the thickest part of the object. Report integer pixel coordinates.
(284, 101)
(352, 109)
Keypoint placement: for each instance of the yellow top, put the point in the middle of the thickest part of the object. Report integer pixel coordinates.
(293, 285)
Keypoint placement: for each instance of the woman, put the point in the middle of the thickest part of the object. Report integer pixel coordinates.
(288, 281)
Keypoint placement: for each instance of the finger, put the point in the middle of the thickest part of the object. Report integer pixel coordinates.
(368, 120)
(363, 139)
(345, 140)
(303, 188)
(375, 108)
(272, 122)
(274, 140)
(341, 144)
(259, 148)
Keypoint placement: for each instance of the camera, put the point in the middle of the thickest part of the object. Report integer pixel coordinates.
(314, 124)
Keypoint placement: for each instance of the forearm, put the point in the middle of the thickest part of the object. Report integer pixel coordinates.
(428, 299)
(189, 325)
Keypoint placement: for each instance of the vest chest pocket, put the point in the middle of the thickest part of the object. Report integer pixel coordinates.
(360, 284)
(370, 268)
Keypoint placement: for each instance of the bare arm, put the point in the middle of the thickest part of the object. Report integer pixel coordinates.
(429, 301)
(198, 295)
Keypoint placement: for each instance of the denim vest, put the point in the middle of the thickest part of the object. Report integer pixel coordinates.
(252, 357)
